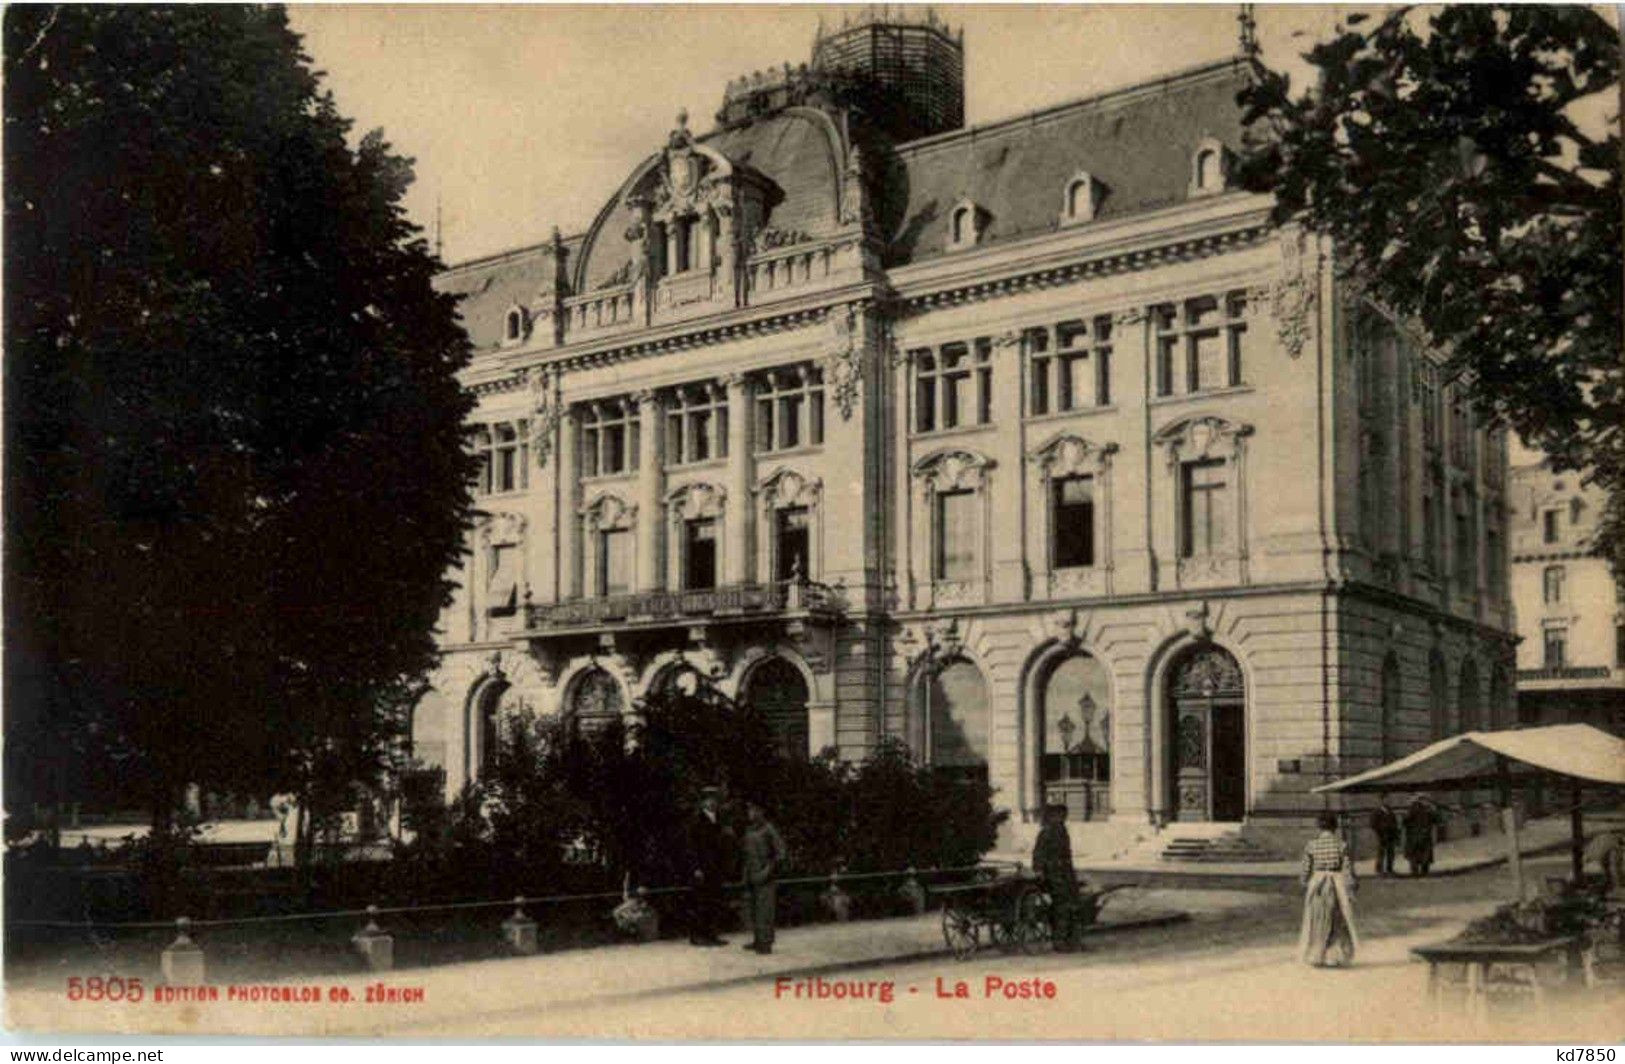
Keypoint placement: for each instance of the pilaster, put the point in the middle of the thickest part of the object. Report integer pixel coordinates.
(736, 556)
(651, 488)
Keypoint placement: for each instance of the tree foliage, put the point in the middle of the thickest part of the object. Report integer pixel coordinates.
(236, 478)
(1453, 154)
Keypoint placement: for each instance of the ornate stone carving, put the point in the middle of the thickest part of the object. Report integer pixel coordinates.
(770, 238)
(609, 512)
(1294, 296)
(1130, 316)
(786, 487)
(1201, 437)
(1199, 621)
(545, 412)
(692, 502)
(956, 593)
(501, 529)
(844, 366)
(1007, 338)
(1077, 582)
(1192, 747)
(953, 470)
(623, 275)
(854, 197)
(1069, 455)
(1066, 627)
(1209, 673)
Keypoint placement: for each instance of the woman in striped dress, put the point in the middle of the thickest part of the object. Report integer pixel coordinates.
(1328, 937)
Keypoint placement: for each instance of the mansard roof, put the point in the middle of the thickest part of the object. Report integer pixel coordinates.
(1138, 142)
(494, 284)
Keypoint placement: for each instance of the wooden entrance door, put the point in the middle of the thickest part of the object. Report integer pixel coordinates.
(1208, 751)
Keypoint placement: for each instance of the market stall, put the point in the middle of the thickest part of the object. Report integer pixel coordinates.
(1578, 759)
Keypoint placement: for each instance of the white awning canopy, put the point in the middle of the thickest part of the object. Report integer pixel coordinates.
(1578, 752)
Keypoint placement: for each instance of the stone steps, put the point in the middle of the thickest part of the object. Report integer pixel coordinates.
(1230, 848)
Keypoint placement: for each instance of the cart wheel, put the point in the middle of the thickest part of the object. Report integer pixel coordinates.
(959, 932)
(1032, 921)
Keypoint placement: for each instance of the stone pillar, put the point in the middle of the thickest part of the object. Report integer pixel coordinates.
(820, 726)
(182, 963)
(651, 485)
(736, 552)
(1007, 486)
(569, 490)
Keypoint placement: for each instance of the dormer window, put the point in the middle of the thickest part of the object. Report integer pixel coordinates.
(1210, 168)
(1083, 196)
(513, 329)
(964, 225)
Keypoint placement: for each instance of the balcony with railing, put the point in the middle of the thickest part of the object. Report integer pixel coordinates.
(788, 600)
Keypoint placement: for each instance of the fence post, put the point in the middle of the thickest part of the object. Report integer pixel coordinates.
(376, 946)
(182, 962)
(838, 901)
(519, 930)
(912, 892)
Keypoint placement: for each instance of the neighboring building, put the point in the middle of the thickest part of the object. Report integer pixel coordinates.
(1571, 615)
(1034, 444)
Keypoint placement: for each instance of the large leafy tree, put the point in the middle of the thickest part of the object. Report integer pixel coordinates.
(1466, 162)
(235, 472)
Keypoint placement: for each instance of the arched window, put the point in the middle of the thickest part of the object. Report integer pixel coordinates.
(1438, 697)
(961, 225)
(595, 700)
(1468, 710)
(1390, 708)
(1207, 169)
(777, 691)
(1075, 714)
(515, 326)
(952, 704)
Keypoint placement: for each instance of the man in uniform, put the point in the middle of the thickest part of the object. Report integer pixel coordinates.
(708, 846)
(1052, 860)
(1385, 823)
(764, 853)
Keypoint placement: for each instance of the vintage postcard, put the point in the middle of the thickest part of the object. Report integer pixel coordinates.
(813, 522)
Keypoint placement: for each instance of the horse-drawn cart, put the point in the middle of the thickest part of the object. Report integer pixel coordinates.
(1010, 911)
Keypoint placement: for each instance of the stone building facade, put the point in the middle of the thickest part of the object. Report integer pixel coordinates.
(1034, 444)
(1571, 611)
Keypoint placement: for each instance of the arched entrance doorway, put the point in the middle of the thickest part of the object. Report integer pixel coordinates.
(1074, 728)
(777, 691)
(1207, 713)
(595, 701)
(949, 707)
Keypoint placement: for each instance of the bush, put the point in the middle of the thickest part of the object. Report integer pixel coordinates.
(618, 799)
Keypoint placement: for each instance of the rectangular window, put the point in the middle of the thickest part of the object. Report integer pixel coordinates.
(791, 556)
(1205, 521)
(609, 437)
(1039, 365)
(614, 562)
(956, 535)
(1073, 514)
(1210, 334)
(790, 409)
(1548, 526)
(925, 392)
(697, 424)
(700, 553)
(953, 387)
(1466, 563)
(504, 454)
(482, 450)
(1167, 344)
(1103, 361)
(502, 581)
(1557, 648)
(1552, 589)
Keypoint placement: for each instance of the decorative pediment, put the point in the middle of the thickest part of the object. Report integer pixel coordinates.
(953, 469)
(1202, 436)
(608, 512)
(692, 502)
(1066, 454)
(786, 487)
(691, 177)
(501, 529)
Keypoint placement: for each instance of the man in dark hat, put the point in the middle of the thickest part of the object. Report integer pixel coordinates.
(1385, 824)
(765, 855)
(1052, 860)
(1421, 819)
(709, 846)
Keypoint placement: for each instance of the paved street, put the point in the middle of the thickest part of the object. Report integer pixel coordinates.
(1228, 973)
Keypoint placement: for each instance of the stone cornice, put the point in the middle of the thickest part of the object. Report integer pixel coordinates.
(1177, 234)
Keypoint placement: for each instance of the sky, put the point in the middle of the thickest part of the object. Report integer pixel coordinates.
(523, 117)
